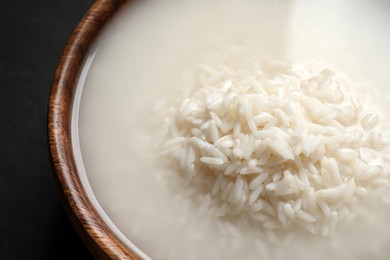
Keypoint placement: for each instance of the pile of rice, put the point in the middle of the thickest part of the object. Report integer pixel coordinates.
(287, 149)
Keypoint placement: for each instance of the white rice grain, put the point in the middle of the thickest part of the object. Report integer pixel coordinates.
(211, 160)
(289, 211)
(306, 216)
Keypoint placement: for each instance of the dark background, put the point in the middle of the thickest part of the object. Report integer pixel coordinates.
(33, 224)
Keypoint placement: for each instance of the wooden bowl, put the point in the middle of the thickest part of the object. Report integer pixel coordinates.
(100, 239)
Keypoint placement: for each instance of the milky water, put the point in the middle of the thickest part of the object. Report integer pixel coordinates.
(139, 61)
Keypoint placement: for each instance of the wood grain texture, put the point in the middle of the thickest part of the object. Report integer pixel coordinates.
(94, 231)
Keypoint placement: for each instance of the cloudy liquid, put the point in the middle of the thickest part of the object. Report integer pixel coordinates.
(140, 59)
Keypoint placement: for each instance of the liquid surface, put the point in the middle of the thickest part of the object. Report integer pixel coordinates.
(140, 60)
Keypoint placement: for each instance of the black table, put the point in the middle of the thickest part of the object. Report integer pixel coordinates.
(33, 224)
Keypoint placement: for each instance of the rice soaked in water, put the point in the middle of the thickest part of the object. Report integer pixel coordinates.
(257, 153)
(291, 148)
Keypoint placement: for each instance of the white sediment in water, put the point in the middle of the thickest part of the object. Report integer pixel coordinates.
(138, 68)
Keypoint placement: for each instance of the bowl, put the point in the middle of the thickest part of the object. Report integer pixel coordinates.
(89, 219)
(94, 231)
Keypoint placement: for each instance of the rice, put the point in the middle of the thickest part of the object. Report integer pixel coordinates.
(288, 150)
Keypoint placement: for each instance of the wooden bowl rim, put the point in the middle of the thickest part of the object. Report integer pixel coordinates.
(97, 235)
